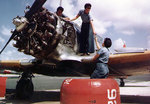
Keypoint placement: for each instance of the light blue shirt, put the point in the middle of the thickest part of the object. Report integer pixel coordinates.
(104, 55)
(84, 16)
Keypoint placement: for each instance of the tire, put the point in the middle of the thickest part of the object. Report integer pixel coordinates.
(122, 83)
(24, 89)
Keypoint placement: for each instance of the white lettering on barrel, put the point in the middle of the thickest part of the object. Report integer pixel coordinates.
(111, 94)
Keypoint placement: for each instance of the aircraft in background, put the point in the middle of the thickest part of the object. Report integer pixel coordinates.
(54, 44)
(122, 48)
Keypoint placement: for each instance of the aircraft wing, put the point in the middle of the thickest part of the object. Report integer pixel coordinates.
(15, 65)
(128, 64)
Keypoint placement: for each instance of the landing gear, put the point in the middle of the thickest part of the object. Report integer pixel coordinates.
(122, 83)
(25, 88)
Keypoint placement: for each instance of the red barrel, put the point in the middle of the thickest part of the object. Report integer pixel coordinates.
(2, 86)
(90, 91)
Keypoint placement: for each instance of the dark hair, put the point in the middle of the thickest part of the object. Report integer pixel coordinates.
(87, 5)
(107, 42)
(60, 8)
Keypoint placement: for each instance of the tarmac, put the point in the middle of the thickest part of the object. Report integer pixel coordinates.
(47, 90)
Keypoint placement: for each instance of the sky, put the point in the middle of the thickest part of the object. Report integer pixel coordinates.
(127, 20)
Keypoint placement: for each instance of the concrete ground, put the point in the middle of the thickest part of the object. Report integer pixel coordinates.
(47, 91)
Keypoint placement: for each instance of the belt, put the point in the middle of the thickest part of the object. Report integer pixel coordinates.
(86, 22)
(100, 62)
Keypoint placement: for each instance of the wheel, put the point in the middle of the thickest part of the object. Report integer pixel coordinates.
(122, 83)
(24, 89)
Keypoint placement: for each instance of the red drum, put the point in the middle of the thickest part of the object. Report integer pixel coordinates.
(90, 91)
(2, 87)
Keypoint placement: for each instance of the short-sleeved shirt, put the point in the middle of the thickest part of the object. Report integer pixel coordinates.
(64, 16)
(84, 16)
(104, 55)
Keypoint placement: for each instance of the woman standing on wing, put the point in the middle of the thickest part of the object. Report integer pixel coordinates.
(86, 39)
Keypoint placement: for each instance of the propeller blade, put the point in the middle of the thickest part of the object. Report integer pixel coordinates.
(12, 36)
(35, 7)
